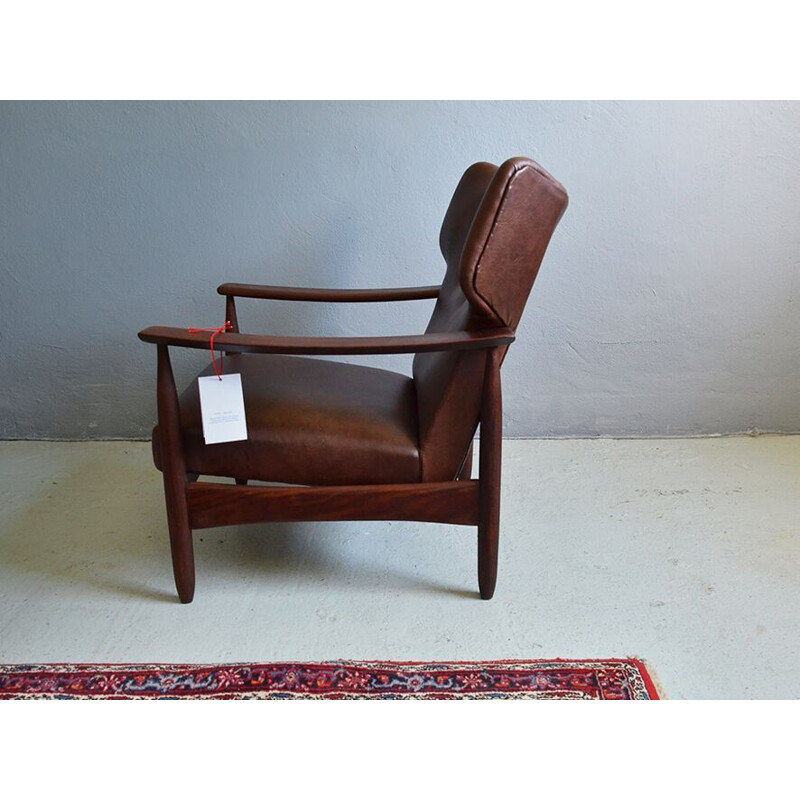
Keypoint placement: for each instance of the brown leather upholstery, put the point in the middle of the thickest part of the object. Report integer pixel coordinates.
(310, 421)
(493, 239)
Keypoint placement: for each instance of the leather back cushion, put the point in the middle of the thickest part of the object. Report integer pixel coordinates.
(493, 239)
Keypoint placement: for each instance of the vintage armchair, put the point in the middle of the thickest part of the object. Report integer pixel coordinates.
(349, 442)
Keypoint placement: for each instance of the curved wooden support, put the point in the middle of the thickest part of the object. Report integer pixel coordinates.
(491, 447)
(175, 478)
(336, 346)
(260, 292)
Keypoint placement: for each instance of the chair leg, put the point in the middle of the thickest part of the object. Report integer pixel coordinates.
(488, 536)
(490, 458)
(180, 538)
(176, 479)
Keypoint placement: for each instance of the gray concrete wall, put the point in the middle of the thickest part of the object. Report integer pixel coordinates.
(667, 303)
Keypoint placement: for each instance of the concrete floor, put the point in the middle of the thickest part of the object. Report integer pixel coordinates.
(683, 552)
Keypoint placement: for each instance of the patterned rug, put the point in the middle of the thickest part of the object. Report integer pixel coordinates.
(610, 679)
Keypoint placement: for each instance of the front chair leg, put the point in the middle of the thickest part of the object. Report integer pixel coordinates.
(489, 476)
(176, 479)
(180, 537)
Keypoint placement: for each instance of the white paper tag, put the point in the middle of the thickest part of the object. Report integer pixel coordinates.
(222, 408)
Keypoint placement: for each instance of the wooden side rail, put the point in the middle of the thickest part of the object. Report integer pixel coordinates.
(346, 345)
(260, 292)
(213, 504)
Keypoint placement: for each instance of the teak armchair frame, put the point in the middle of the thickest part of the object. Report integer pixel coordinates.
(346, 442)
(192, 505)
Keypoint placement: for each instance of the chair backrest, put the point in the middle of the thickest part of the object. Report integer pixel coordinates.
(493, 239)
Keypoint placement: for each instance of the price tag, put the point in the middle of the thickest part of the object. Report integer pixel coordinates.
(222, 408)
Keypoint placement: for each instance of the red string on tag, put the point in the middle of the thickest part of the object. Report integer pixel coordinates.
(226, 327)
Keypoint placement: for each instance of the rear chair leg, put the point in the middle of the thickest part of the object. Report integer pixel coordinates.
(489, 475)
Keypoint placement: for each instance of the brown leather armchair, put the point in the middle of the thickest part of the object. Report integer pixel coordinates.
(357, 443)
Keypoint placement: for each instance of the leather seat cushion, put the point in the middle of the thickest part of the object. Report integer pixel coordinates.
(310, 421)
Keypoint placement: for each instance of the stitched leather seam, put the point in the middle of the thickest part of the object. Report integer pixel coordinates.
(495, 223)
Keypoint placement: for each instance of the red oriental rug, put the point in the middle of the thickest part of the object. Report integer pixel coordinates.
(610, 679)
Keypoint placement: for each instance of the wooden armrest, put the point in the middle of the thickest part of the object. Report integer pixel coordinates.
(315, 346)
(327, 295)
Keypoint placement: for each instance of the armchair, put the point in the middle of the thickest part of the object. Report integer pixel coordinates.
(357, 443)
